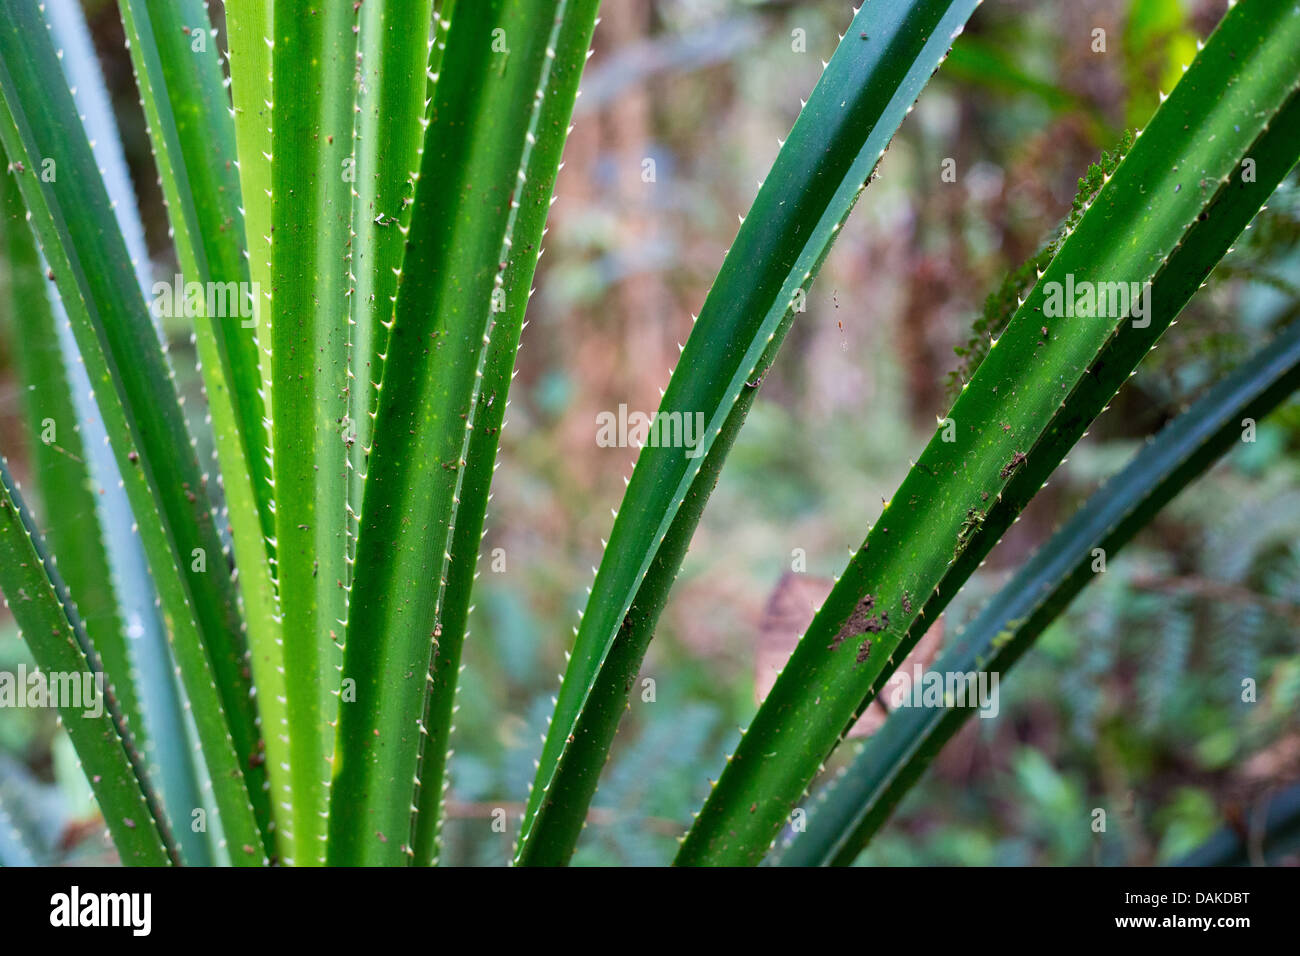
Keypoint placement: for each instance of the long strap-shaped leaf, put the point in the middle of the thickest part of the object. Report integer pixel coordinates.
(174, 52)
(73, 220)
(178, 70)
(249, 34)
(474, 232)
(313, 78)
(1274, 832)
(53, 631)
(394, 56)
(443, 12)
(59, 458)
(852, 808)
(570, 42)
(168, 746)
(1166, 216)
(890, 51)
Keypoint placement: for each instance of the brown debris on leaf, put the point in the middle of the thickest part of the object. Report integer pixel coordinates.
(789, 611)
(860, 621)
(1016, 461)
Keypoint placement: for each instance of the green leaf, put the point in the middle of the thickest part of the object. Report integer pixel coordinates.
(851, 809)
(249, 34)
(178, 70)
(499, 120)
(1166, 216)
(1000, 305)
(443, 13)
(74, 224)
(59, 644)
(1274, 833)
(549, 127)
(60, 463)
(394, 55)
(174, 52)
(888, 54)
(313, 77)
(165, 741)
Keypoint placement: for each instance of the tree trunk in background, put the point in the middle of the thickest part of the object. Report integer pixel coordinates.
(644, 305)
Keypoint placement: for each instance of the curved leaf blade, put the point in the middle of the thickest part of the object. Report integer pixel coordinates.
(1163, 218)
(889, 53)
(853, 807)
(465, 281)
(173, 50)
(59, 644)
(394, 55)
(1276, 834)
(249, 37)
(73, 220)
(541, 159)
(59, 458)
(168, 747)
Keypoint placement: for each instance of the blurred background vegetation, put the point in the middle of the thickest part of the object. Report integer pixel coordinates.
(1130, 703)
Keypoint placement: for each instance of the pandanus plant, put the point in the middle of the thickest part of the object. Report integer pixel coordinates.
(357, 194)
